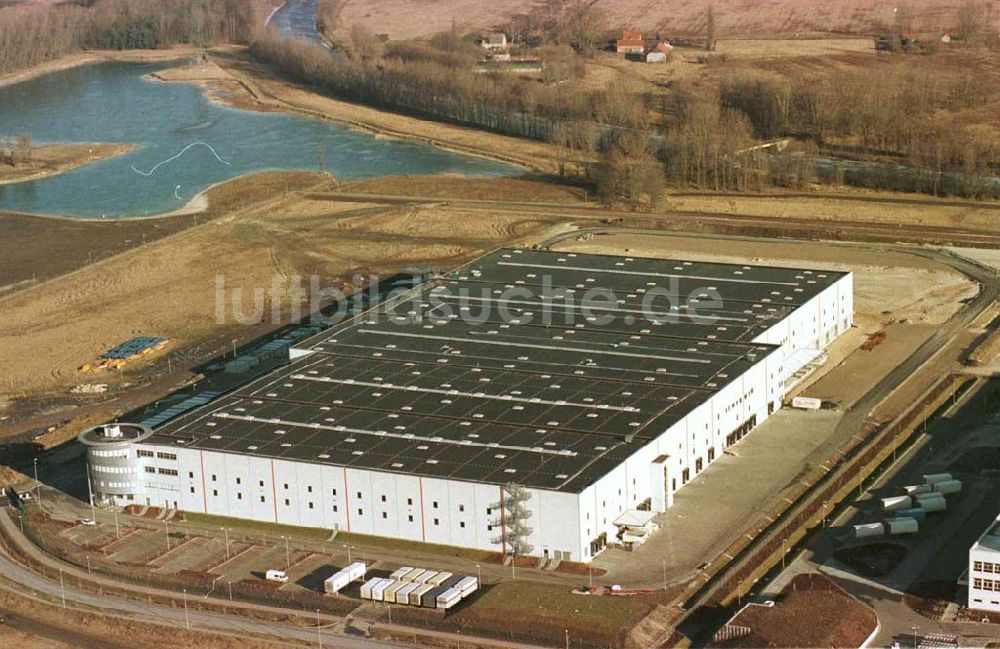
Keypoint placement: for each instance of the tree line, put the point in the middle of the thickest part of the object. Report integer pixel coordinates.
(31, 35)
(919, 113)
(439, 81)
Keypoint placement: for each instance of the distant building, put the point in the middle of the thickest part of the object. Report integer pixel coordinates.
(656, 57)
(984, 570)
(664, 47)
(630, 43)
(494, 41)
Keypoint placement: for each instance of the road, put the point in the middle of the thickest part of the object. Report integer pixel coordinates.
(856, 415)
(180, 617)
(784, 228)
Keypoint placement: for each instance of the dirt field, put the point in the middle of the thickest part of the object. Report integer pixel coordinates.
(35, 249)
(813, 612)
(734, 18)
(882, 209)
(168, 287)
(52, 159)
(900, 288)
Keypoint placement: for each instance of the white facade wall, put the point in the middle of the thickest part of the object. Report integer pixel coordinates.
(425, 509)
(984, 571)
(816, 323)
(451, 512)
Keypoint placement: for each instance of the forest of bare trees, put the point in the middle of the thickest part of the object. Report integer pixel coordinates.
(910, 113)
(438, 80)
(31, 35)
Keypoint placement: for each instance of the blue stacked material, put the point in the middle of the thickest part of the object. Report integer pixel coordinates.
(131, 347)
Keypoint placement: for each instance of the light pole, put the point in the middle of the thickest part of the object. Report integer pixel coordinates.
(230, 590)
(117, 532)
(234, 347)
(479, 572)
(319, 631)
(62, 587)
(664, 562)
(89, 571)
(914, 629)
(38, 485)
(166, 526)
(567, 638)
(226, 532)
(288, 556)
(90, 494)
(187, 619)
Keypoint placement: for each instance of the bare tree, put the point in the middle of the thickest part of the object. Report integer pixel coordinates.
(710, 29)
(364, 46)
(23, 148)
(629, 171)
(970, 21)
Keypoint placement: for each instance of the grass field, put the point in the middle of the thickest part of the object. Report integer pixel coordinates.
(734, 18)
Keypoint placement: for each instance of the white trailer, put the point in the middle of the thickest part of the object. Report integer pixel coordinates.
(807, 403)
(449, 598)
(389, 594)
(439, 578)
(868, 530)
(902, 525)
(426, 576)
(417, 593)
(357, 570)
(334, 584)
(380, 588)
(913, 490)
(896, 502)
(366, 588)
(931, 505)
(413, 575)
(467, 586)
(400, 573)
(948, 487)
(403, 594)
(934, 478)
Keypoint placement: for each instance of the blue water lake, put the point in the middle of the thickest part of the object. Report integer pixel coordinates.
(113, 102)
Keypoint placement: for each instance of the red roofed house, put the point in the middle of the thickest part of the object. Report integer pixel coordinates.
(630, 43)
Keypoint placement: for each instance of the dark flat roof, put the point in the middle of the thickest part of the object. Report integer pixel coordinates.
(480, 376)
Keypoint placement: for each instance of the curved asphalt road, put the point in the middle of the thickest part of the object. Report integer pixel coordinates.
(175, 617)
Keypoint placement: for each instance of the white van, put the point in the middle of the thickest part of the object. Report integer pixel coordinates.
(276, 575)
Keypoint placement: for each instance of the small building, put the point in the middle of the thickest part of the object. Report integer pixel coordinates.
(665, 47)
(656, 57)
(630, 43)
(494, 41)
(984, 571)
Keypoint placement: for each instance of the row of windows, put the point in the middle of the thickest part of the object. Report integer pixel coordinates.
(112, 469)
(161, 455)
(161, 471)
(113, 453)
(986, 584)
(986, 566)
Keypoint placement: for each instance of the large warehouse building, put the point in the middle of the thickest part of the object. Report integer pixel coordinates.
(523, 403)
